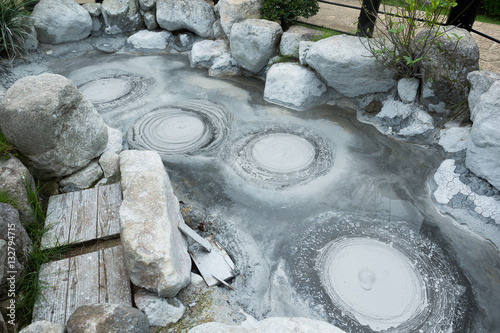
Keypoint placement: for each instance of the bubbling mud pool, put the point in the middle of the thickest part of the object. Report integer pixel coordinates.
(324, 217)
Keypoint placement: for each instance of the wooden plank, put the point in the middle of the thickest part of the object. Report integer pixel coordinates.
(114, 283)
(215, 265)
(83, 215)
(109, 199)
(97, 277)
(51, 305)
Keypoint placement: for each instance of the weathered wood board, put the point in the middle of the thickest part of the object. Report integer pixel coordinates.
(84, 215)
(96, 277)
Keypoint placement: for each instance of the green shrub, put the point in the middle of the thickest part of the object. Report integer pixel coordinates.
(286, 11)
(490, 8)
(14, 20)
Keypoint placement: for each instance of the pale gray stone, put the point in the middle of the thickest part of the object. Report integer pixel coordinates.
(454, 139)
(195, 15)
(225, 65)
(205, 52)
(3, 91)
(10, 225)
(115, 140)
(47, 118)
(218, 31)
(197, 281)
(289, 44)
(234, 11)
(82, 179)
(408, 89)
(483, 150)
(480, 82)
(304, 47)
(294, 86)
(94, 9)
(253, 42)
(110, 163)
(44, 327)
(444, 70)
(109, 318)
(150, 20)
(109, 44)
(420, 123)
(121, 16)
(13, 179)
(160, 311)
(348, 67)
(59, 21)
(149, 40)
(96, 26)
(155, 250)
(147, 4)
(273, 324)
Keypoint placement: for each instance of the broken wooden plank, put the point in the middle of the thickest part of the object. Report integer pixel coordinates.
(191, 233)
(215, 265)
(83, 215)
(96, 277)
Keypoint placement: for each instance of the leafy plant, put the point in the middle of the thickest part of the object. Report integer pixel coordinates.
(490, 8)
(14, 21)
(286, 11)
(396, 45)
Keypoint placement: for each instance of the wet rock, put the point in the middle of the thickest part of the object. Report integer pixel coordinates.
(44, 327)
(160, 311)
(109, 318)
(149, 40)
(274, 324)
(155, 251)
(253, 42)
(408, 89)
(12, 236)
(348, 67)
(110, 164)
(147, 4)
(480, 82)
(52, 124)
(454, 139)
(13, 177)
(59, 21)
(235, 11)
(82, 179)
(94, 9)
(444, 77)
(150, 20)
(483, 150)
(109, 44)
(121, 16)
(204, 53)
(195, 15)
(294, 86)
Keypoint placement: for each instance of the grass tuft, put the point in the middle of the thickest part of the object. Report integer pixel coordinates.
(14, 21)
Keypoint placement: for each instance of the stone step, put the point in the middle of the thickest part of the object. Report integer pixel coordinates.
(82, 216)
(97, 277)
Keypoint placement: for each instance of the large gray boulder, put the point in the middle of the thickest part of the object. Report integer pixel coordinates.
(294, 86)
(234, 11)
(348, 67)
(121, 16)
(195, 15)
(445, 69)
(483, 151)
(155, 250)
(52, 124)
(480, 82)
(59, 21)
(14, 177)
(12, 262)
(44, 326)
(271, 325)
(109, 318)
(253, 42)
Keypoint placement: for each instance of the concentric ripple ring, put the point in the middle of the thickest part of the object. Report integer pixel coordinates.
(279, 156)
(113, 88)
(190, 127)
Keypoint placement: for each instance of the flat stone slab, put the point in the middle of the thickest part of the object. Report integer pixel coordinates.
(96, 277)
(81, 216)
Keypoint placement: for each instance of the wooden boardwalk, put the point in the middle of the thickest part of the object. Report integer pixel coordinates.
(96, 277)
